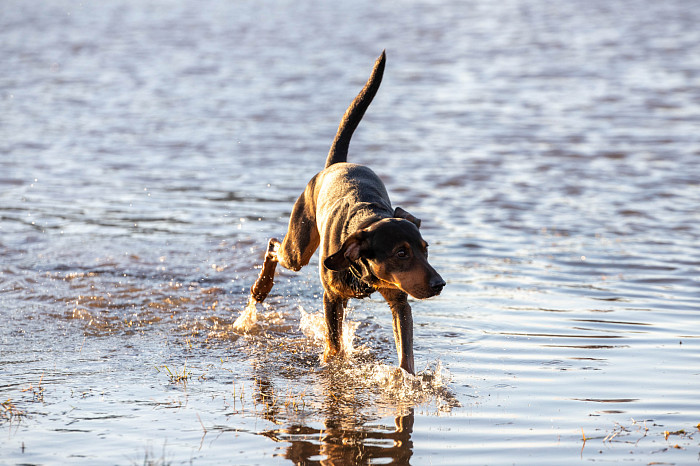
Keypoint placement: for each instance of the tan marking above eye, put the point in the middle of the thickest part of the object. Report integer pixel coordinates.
(405, 247)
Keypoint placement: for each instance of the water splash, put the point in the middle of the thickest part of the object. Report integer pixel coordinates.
(397, 385)
(247, 322)
(257, 318)
(394, 383)
(313, 325)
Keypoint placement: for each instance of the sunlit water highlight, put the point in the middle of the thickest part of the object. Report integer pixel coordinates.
(149, 149)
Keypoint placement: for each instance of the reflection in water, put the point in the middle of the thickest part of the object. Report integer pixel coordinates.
(348, 435)
(344, 442)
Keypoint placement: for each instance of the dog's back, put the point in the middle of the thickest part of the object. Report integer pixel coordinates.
(347, 195)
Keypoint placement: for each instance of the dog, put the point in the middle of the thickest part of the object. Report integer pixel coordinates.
(366, 245)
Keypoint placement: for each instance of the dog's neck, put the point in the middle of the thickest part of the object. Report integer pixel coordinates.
(361, 279)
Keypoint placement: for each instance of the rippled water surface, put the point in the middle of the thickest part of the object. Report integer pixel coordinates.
(148, 150)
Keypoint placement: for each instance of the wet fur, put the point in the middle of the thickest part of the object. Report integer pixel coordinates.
(366, 245)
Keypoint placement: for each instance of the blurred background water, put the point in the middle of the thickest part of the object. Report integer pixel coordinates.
(148, 150)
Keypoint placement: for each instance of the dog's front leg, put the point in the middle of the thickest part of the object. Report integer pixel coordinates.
(402, 320)
(334, 310)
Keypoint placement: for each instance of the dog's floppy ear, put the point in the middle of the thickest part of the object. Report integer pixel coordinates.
(350, 251)
(400, 213)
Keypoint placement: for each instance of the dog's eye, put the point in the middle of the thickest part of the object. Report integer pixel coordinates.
(402, 253)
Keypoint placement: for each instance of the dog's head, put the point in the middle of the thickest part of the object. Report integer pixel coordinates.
(396, 253)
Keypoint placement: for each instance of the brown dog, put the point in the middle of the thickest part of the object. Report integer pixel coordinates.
(366, 245)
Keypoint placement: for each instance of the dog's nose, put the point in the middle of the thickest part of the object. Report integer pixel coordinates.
(437, 284)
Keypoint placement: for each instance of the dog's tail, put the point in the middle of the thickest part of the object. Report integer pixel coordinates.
(354, 113)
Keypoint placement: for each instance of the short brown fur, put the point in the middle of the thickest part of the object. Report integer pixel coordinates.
(366, 245)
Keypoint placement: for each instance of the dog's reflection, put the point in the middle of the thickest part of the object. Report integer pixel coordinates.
(343, 441)
(348, 436)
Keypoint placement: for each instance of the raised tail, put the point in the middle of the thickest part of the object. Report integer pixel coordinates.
(354, 113)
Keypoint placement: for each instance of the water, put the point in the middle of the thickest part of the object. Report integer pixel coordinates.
(149, 150)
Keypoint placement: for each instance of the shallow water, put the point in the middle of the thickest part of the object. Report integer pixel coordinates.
(148, 150)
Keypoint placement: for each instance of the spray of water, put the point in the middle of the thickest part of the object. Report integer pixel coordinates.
(248, 320)
(394, 383)
(429, 385)
(313, 325)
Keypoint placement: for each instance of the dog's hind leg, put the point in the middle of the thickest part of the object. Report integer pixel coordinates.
(263, 284)
(293, 252)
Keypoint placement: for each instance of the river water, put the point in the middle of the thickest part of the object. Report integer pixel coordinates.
(148, 150)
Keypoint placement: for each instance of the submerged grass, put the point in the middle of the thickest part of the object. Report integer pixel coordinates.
(149, 459)
(37, 392)
(637, 431)
(10, 412)
(176, 377)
